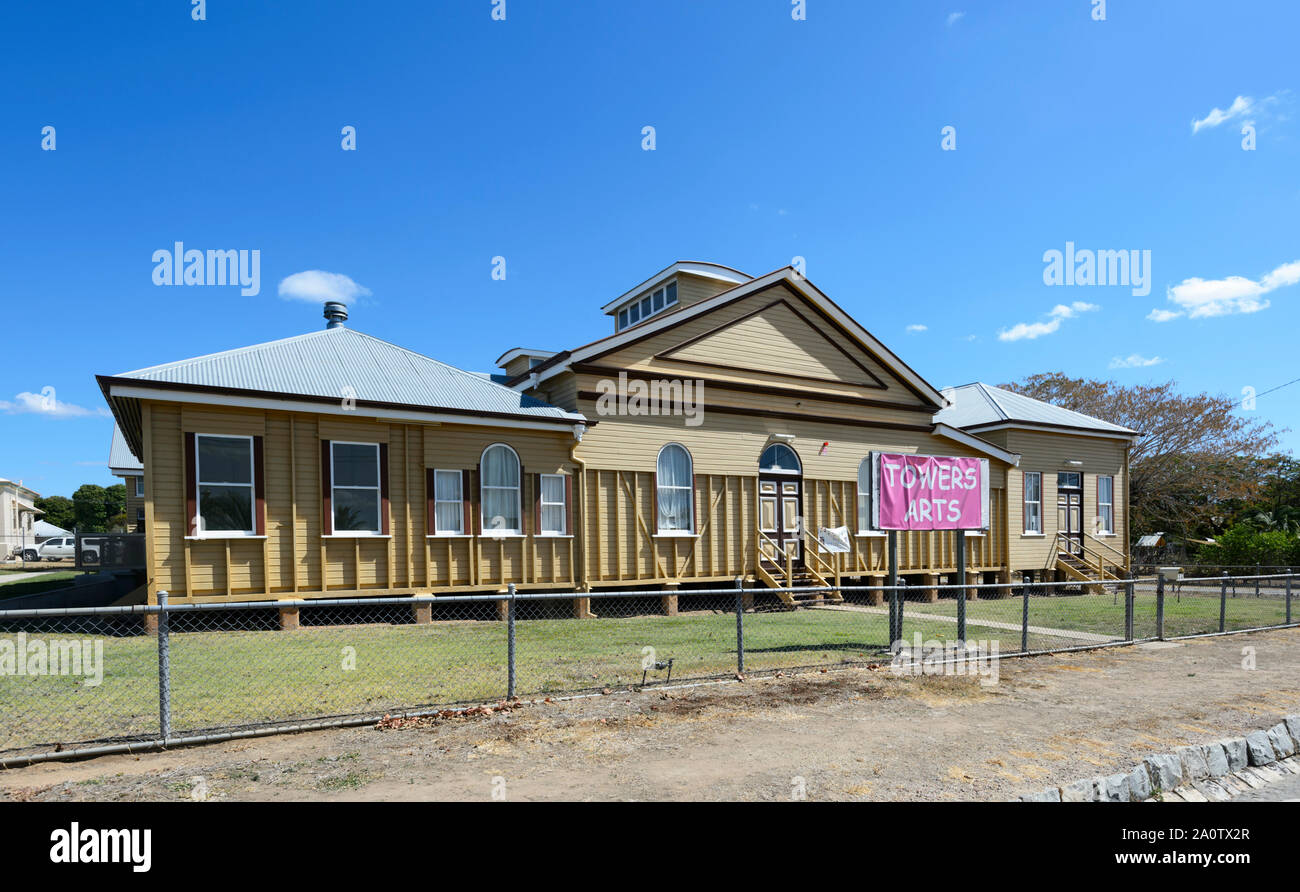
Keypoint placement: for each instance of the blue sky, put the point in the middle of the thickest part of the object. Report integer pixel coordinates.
(522, 138)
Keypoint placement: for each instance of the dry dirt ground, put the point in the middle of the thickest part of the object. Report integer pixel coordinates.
(857, 734)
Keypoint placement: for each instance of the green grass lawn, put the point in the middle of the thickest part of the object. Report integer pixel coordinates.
(245, 677)
(17, 583)
(1188, 614)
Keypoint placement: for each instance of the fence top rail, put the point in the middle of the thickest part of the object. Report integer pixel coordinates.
(1234, 577)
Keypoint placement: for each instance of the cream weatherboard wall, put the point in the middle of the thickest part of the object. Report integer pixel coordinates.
(295, 559)
(770, 364)
(1049, 453)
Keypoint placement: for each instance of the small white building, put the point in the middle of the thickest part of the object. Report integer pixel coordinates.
(18, 514)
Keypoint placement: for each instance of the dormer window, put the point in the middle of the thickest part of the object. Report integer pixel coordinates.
(648, 304)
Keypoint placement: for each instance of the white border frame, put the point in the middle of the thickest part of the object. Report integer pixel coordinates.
(379, 495)
(660, 531)
(519, 495)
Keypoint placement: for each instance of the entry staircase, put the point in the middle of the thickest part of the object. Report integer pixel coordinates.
(1090, 561)
(776, 568)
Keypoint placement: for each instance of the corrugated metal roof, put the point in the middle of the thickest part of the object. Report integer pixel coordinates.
(119, 454)
(43, 530)
(979, 404)
(335, 363)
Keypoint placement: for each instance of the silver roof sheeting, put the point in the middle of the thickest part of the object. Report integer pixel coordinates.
(336, 363)
(976, 405)
(119, 454)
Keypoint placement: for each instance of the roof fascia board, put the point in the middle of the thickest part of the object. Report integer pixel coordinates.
(335, 407)
(980, 445)
(1051, 429)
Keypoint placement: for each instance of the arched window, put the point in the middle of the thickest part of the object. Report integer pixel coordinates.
(499, 489)
(779, 458)
(864, 496)
(675, 490)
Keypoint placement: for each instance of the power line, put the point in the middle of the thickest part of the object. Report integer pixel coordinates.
(1270, 390)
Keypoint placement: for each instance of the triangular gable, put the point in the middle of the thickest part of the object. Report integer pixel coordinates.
(775, 338)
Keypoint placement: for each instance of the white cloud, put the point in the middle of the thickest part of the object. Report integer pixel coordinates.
(1163, 315)
(1135, 361)
(1031, 330)
(955, 17)
(317, 286)
(1243, 107)
(44, 403)
(1240, 107)
(1205, 298)
(917, 327)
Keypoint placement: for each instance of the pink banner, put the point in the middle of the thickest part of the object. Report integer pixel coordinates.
(930, 492)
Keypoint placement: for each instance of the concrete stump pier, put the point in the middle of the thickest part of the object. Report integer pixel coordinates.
(289, 616)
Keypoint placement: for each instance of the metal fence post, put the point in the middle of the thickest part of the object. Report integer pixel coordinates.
(961, 580)
(1160, 606)
(1024, 620)
(1257, 572)
(740, 625)
(510, 642)
(1128, 609)
(1288, 596)
(164, 671)
(895, 602)
(1223, 603)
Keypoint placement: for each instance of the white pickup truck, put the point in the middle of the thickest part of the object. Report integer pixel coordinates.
(60, 547)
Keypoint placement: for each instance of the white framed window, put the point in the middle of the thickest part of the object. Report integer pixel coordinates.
(355, 495)
(499, 490)
(553, 505)
(1106, 505)
(675, 490)
(1033, 502)
(139, 487)
(864, 496)
(647, 305)
(224, 479)
(448, 504)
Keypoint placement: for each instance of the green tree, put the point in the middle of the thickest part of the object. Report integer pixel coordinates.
(1197, 463)
(58, 511)
(90, 508)
(115, 507)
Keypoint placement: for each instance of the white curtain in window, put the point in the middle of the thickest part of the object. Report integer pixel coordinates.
(552, 503)
(675, 489)
(448, 502)
(500, 489)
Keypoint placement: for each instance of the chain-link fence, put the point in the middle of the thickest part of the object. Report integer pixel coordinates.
(96, 680)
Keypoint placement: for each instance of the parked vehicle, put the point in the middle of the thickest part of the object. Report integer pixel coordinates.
(61, 547)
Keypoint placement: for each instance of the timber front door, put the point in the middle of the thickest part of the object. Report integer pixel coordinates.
(1069, 511)
(780, 505)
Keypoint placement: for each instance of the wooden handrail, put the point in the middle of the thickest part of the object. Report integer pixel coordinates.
(1108, 547)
